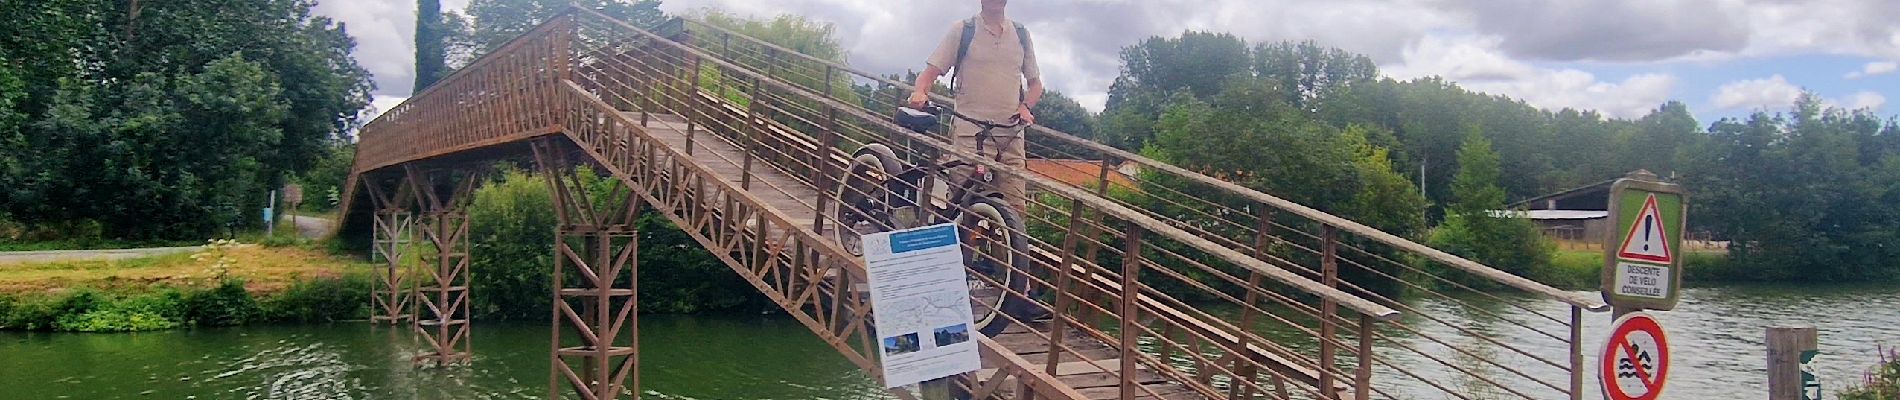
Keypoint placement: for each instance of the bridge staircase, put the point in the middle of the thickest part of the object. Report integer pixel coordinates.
(1164, 283)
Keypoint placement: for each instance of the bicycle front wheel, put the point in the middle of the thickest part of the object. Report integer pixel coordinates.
(996, 252)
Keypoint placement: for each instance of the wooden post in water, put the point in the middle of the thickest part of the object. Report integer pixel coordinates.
(1785, 346)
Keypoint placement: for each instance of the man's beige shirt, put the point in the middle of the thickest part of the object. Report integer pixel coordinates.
(990, 86)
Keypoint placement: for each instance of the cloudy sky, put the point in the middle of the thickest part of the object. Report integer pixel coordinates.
(1621, 57)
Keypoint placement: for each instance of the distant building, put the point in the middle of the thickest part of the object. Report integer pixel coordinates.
(1577, 215)
(1082, 173)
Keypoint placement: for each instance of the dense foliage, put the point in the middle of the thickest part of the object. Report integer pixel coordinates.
(1808, 195)
(492, 23)
(1805, 194)
(1470, 228)
(512, 230)
(91, 310)
(168, 121)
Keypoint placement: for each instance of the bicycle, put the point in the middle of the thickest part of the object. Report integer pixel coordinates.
(881, 192)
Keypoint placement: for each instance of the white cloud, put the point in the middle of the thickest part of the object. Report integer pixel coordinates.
(1873, 69)
(379, 104)
(1757, 94)
(1472, 42)
(385, 37)
(1865, 100)
(1845, 27)
(1478, 64)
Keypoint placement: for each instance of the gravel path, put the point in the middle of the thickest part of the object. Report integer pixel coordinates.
(310, 227)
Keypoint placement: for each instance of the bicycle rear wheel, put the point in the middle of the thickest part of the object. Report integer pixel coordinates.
(863, 197)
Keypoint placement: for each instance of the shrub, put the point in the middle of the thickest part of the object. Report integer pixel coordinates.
(7, 304)
(512, 231)
(11, 230)
(320, 300)
(280, 240)
(32, 314)
(227, 305)
(90, 311)
(1880, 383)
(512, 228)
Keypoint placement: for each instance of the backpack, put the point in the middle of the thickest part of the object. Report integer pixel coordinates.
(969, 35)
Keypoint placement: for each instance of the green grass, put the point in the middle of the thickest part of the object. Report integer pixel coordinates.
(1583, 269)
(1573, 270)
(264, 268)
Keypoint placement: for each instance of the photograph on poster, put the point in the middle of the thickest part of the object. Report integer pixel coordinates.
(953, 334)
(901, 344)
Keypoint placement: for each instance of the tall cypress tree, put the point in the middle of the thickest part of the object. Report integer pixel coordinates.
(430, 47)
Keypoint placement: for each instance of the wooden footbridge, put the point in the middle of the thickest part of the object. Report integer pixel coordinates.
(1163, 283)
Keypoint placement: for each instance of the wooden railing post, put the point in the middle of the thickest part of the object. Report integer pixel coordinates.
(752, 135)
(1329, 270)
(1131, 271)
(1362, 379)
(1262, 243)
(1576, 353)
(827, 140)
(690, 94)
(1070, 236)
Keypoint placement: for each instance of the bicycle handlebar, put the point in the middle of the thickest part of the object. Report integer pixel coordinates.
(1015, 121)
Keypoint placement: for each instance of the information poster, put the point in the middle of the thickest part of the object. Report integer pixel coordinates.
(923, 318)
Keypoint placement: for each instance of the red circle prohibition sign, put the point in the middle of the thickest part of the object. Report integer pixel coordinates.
(1635, 359)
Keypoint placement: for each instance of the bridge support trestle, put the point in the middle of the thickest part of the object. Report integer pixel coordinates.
(391, 297)
(595, 345)
(442, 321)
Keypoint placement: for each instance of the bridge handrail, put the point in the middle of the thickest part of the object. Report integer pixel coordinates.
(1586, 302)
(1356, 303)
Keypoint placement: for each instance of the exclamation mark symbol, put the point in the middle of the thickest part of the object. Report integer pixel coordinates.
(1646, 223)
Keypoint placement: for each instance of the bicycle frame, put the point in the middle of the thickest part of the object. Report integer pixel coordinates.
(910, 187)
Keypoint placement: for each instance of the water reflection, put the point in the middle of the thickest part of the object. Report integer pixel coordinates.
(1717, 336)
(685, 358)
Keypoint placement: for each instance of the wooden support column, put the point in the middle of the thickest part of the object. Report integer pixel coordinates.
(1785, 345)
(442, 320)
(595, 345)
(391, 298)
(390, 294)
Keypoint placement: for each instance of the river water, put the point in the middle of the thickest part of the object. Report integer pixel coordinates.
(1717, 335)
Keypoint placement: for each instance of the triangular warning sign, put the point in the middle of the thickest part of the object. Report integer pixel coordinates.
(1648, 237)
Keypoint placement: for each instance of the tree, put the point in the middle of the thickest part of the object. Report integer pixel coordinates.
(1805, 195)
(431, 44)
(803, 35)
(1385, 199)
(495, 22)
(1248, 136)
(1196, 64)
(183, 121)
(1062, 113)
(1309, 71)
(1475, 227)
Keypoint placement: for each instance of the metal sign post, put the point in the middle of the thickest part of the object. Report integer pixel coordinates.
(1642, 255)
(270, 216)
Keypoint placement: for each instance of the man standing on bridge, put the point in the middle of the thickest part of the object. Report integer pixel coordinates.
(993, 59)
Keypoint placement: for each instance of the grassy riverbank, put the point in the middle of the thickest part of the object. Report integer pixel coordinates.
(262, 284)
(1583, 269)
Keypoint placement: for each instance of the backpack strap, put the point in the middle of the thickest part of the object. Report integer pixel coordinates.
(963, 49)
(1022, 37)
